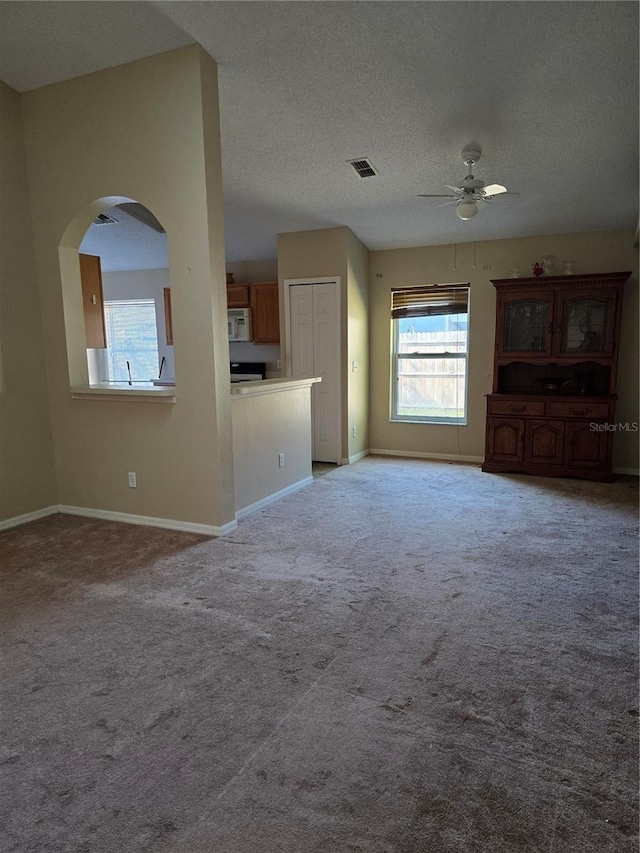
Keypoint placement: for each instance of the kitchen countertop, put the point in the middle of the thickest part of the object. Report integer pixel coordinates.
(270, 386)
(165, 392)
(123, 391)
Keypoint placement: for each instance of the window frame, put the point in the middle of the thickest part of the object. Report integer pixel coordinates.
(397, 357)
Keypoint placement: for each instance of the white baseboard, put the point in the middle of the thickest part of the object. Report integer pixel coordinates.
(355, 458)
(417, 454)
(8, 523)
(631, 472)
(148, 521)
(248, 510)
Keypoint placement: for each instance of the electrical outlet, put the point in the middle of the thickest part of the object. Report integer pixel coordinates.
(281, 460)
(354, 431)
(132, 480)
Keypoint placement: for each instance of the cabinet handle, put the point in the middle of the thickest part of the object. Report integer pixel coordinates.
(517, 409)
(580, 413)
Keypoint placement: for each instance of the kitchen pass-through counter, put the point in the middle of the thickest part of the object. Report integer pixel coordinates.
(271, 424)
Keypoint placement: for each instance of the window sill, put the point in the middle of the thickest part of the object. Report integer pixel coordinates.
(123, 393)
(431, 421)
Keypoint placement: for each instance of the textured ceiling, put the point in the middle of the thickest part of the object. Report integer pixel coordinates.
(548, 90)
(46, 41)
(126, 244)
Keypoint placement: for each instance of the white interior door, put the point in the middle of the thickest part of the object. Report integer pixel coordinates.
(315, 351)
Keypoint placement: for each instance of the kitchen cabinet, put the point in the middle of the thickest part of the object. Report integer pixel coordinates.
(168, 318)
(237, 296)
(554, 379)
(92, 302)
(265, 311)
(263, 301)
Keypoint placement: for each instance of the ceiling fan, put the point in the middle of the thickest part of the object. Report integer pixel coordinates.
(472, 191)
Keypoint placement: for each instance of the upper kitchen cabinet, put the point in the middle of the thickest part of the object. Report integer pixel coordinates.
(265, 312)
(92, 301)
(237, 296)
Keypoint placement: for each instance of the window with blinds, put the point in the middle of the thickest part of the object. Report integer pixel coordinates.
(430, 353)
(132, 341)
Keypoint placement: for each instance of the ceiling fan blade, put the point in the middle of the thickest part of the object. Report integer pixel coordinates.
(423, 195)
(457, 190)
(445, 203)
(494, 189)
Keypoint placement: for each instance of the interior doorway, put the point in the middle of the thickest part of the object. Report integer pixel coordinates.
(313, 341)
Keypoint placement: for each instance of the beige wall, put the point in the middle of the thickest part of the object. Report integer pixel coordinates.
(263, 427)
(310, 254)
(357, 346)
(27, 476)
(477, 264)
(244, 271)
(148, 131)
(337, 252)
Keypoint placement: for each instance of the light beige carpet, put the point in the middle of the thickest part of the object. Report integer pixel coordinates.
(403, 657)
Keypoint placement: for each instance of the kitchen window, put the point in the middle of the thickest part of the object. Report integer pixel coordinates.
(430, 346)
(131, 355)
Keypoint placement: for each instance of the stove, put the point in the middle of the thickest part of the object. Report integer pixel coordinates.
(248, 371)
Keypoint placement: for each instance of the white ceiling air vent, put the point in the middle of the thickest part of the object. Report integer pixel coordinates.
(103, 219)
(363, 167)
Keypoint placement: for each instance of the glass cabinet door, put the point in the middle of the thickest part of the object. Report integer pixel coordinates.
(526, 324)
(585, 324)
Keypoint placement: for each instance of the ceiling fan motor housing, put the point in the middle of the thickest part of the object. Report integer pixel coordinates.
(470, 156)
(472, 184)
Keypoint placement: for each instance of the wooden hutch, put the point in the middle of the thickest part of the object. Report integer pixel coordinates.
(554, 378)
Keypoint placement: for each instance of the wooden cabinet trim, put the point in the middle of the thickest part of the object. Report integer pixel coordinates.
(92, 301)
(168, 317)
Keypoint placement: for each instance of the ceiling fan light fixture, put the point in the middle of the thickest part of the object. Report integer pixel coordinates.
(466, 209)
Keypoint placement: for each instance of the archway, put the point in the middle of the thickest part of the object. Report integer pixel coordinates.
(115, 274)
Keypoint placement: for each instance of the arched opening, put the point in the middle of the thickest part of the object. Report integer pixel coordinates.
(116, 295)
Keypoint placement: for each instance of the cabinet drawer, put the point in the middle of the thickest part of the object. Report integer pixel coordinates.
(534, 408)
(578, 410)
